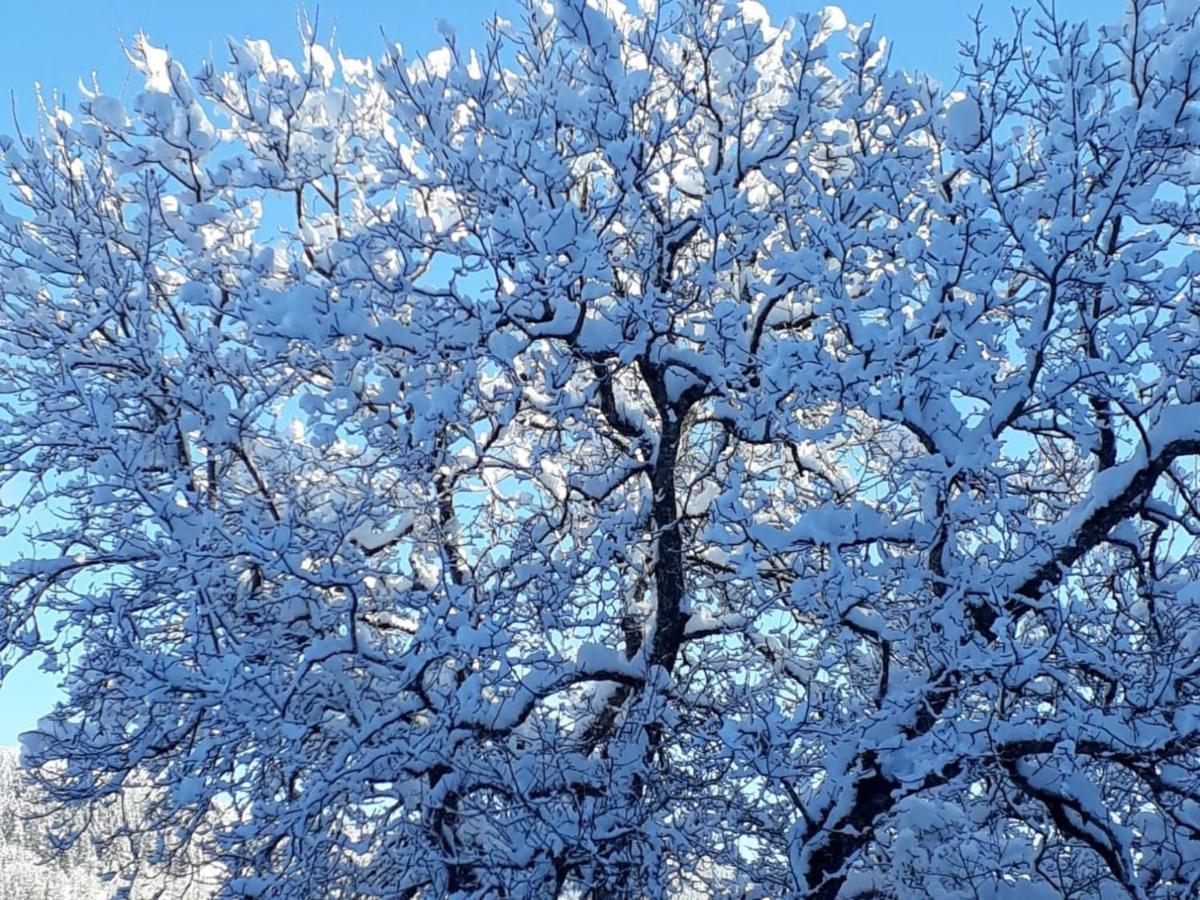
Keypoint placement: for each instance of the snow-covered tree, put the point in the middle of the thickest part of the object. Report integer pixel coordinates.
(34, 865)
(656, 453)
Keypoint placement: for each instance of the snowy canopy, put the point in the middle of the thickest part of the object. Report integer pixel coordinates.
(663, 451)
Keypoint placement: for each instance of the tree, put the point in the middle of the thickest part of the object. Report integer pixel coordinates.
(35, 866)
(656, 452)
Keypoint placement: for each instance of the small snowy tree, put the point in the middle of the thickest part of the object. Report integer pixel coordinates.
(656, 453)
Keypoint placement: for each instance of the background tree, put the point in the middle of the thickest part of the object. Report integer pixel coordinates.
(657, 451)
(34, 865)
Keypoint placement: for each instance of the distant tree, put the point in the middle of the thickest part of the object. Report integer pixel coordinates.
(34, 865)
(656, 453)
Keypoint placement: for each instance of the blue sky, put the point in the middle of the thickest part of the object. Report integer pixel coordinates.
(55, 43)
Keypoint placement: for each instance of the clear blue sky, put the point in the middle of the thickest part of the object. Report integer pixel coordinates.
(56, 42)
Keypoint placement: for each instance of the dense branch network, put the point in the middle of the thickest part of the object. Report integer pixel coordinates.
(656, 453)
